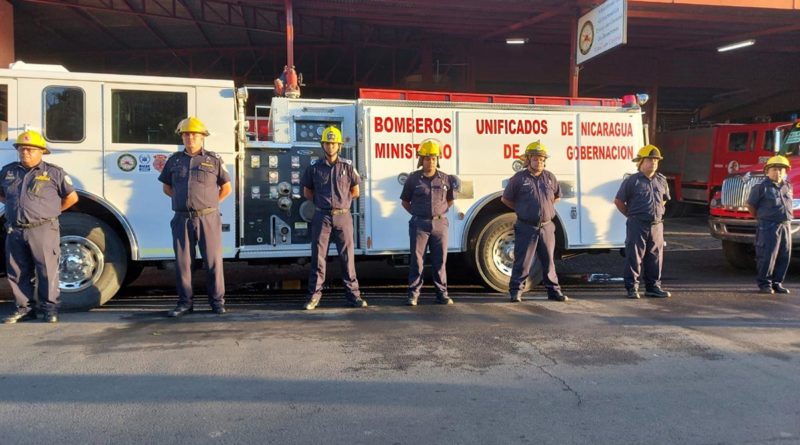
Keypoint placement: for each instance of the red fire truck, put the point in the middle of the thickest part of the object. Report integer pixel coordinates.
(697, 160)
(732, 223)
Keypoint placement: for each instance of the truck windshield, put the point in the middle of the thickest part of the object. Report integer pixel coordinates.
(790, 146)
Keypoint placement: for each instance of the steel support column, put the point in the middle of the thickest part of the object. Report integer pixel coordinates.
(6, 33)
(289, 35)
(574, 69)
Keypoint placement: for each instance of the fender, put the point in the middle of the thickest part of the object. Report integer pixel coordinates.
(119, 216)
(472, 213)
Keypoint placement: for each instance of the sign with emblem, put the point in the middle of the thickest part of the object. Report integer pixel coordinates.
(601, 29)
(126, 162)
(159, 161)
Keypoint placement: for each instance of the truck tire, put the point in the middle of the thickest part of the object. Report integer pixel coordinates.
(739, 255)
(93, 262)
(494, 254)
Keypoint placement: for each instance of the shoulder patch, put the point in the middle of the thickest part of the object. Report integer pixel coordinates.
(347, 161)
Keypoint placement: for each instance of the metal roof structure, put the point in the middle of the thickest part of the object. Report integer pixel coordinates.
(459, 45)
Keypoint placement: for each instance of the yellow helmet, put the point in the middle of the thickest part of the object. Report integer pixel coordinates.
(429, 147)
(648, 151)
(192, 125)
(32, 138)
(331, 134)
(777, 161)
(535, 148)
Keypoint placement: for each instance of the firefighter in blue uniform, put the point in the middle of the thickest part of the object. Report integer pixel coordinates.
(34, 193)
(332, 184)
(197, 181)
(427, 195)
(771, 203)
(641, 198)
(532, 194)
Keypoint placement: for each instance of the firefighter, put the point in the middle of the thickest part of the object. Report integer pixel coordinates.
(532, 194)
(771, 203)
(197, 181)
(332, 184)
(641, 198)
(427, 195)
(34, 193)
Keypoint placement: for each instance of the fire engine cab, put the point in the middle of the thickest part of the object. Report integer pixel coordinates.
(697, 160)
(732, 223)
(113, 133)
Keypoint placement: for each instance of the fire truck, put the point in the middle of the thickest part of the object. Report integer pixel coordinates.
(697, 160)
(113, 134)
(730, 221)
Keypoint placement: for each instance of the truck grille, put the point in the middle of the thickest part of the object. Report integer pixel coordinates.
(736, 189)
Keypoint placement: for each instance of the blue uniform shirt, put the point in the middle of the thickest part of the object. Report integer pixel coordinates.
(331, 183)
(429, 196)
(195, 179)
(644, 196)
(35, 194)
(773, 202)
(533, 196)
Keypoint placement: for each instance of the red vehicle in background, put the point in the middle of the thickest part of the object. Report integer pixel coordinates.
(732, 223)
(697, 160)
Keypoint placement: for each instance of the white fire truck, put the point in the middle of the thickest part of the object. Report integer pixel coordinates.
(113, 133)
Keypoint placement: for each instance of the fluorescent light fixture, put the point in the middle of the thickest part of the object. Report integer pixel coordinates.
(737, 45)
(516, 41)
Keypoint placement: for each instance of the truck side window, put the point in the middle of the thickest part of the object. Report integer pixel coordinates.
(64, 114)
(737, 142)
(146, 117)
(769, 141)
(3, 113)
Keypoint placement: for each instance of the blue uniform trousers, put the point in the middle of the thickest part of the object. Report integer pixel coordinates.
(32, 262)
(424, 233)
(324, 225)
(644, 249)
(204, 232)
(534, 242)
(773, 252)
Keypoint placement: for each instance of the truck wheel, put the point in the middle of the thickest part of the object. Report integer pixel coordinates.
(494, 254)
(739, 255)
(93, 263)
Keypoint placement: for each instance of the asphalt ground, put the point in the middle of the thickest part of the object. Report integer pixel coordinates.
(714, 364)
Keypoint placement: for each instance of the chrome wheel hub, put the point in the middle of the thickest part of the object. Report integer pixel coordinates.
(80, 265)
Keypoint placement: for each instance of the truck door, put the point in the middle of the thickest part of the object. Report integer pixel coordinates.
(607, 144)
(8, 120)
(391, 136)
(68, 114)
(138, 136)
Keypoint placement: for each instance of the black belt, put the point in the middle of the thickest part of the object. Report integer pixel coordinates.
(537, 224)
(429, 217)
(655, 223)
(196, 213)
(333, 212)
(35, 224)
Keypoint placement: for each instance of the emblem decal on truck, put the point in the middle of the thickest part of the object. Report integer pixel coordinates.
(126, 162)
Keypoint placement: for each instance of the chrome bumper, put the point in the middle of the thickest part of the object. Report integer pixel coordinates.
(742, 230)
